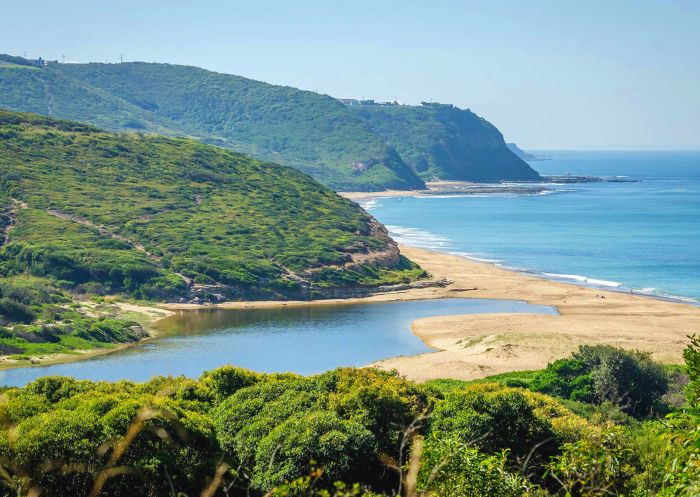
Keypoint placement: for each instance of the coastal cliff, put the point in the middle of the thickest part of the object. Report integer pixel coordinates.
(444, 142)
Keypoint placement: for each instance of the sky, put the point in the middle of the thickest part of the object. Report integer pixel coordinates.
(548, 73)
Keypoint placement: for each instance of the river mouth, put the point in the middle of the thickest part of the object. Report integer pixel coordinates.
(301, 339)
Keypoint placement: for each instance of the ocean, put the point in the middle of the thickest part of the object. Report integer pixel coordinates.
(641, 236)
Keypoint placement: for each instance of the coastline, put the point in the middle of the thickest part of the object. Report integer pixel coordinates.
(445, 187)
(474, 346)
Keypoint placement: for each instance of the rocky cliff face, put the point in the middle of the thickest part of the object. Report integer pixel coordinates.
(444, 142)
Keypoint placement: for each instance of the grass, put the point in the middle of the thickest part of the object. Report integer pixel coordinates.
(311, 132)
(513, 378)
(155, 217)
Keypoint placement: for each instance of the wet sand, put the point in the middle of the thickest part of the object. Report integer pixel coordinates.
(448, 188)
(476, 346)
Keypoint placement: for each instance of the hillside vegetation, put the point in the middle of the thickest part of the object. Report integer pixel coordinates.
(37, 319)
(155, 217)
(311, 132)
(234, 432)
(346, 148)
(440, 141)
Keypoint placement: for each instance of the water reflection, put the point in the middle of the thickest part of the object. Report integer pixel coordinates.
(305, 340)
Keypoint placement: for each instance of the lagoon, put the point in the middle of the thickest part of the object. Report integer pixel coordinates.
(304, 339)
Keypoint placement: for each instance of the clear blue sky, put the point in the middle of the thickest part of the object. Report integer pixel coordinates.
(548, 73)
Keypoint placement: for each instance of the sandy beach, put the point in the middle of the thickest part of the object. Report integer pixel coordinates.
(475, 346)
(444, 187)
(470, 347)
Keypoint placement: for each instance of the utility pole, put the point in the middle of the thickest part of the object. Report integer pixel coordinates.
(64, 59)
(121, 58)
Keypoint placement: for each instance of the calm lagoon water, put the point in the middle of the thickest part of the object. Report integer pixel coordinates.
(304, 340)
(642, 236)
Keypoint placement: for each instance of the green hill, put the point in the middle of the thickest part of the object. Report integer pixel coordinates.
(165, 218)
(441, 141)
(344, 147)
(311, 132)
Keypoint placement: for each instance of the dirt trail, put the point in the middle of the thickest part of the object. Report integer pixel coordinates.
(12, 212)
(106, 232)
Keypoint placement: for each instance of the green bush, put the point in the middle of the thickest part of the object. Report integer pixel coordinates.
(497, 421)
(294, 436)
(683, 469)
(602, 373)
(345, 449)
(223, 382)
(452, 467)
(12, 311)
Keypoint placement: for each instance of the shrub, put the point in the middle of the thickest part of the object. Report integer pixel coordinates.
(595, 466)
(344, 449)
(602, 373)
(450, 467)
(495, 421)
(12, 311)
(227, 380)
(683, 469)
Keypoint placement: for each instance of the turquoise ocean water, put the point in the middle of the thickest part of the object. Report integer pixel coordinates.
(641, 236)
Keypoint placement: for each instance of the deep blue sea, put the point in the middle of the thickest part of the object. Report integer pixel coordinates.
(642, 236)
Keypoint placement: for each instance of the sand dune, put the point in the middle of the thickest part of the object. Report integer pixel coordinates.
(474, 346)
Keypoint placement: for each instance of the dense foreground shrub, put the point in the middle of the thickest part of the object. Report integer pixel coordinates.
(238, 433)
(683, 471)
(456, 468)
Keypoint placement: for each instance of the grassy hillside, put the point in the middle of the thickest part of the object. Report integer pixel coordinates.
(234, 432)
(311, 132)
(445, 142)
(164, 218)
(27, 87)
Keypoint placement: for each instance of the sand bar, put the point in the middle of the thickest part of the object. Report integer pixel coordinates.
(449, 188)
(475, 346)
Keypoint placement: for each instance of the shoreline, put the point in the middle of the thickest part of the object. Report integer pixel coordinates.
(151, 314)
(473, 346)
(444, 187)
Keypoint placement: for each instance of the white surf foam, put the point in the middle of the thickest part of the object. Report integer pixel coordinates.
(474, 257)
(584, 279)
(419, 238)
(370, 204)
